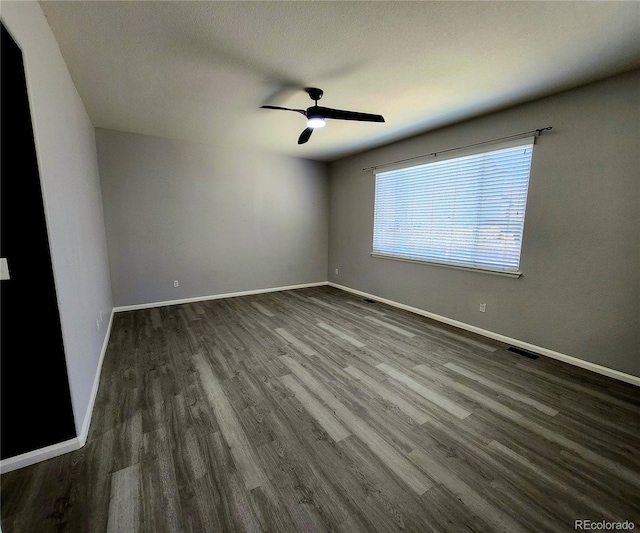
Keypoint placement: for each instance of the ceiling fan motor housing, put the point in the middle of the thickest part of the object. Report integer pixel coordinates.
(314, 94)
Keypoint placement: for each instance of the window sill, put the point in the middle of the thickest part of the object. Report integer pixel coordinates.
(448, 265)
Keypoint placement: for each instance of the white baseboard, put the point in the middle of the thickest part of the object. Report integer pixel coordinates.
(216, 297)
(84, 432)
(41, 454)
(605, 371)
(71, 445)
(26, 459)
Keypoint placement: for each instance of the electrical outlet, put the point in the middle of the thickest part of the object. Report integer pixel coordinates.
(336, 271)
(483, 308)
(175, 283)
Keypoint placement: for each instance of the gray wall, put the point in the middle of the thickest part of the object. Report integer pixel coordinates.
(580, 292)
(67, 160)
(217, 219)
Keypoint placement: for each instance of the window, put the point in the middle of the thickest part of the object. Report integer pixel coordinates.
(464, 211)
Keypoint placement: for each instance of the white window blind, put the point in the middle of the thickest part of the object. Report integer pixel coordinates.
(464, 211)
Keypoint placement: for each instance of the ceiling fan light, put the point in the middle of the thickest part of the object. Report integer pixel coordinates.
(316, 122)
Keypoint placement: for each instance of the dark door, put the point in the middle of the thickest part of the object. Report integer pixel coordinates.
(36, 404)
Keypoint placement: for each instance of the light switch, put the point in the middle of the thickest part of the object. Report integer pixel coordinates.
(4, 269)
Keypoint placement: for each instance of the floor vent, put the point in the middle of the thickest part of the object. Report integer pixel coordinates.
(370, 301)
(520, 351)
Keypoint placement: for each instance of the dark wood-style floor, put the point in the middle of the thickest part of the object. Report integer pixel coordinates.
(312, 410)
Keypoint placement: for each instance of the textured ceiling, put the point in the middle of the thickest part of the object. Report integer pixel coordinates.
(199, 71)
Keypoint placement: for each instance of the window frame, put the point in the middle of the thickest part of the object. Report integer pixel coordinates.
(524, 141)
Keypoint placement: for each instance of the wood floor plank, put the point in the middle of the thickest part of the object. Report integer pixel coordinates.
(242, 509)
(241, 450)
(233, 504)
(314, 410)
(578, 387)
(382, 449)
(502, 390)
(550, 435)
(473, 394)
(367, 307)
(323, 303)
(303, 503)
(159, 487)
(484, 345)
(295, 342)
(323, 416)
(384, 502)
(340, 334)
(469, 497)
(466, 339)
(389, 395)
(426, 393)
(124, 502)
(560, 487)
(387, 325)
(263, 309)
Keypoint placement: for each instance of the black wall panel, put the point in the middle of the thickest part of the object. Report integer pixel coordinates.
(35, 399)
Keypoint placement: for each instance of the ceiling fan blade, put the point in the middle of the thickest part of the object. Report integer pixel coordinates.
(302, 111)
(327, 112)
(304, 136)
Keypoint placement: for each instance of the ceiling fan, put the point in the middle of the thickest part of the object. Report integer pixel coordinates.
(316, 114)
